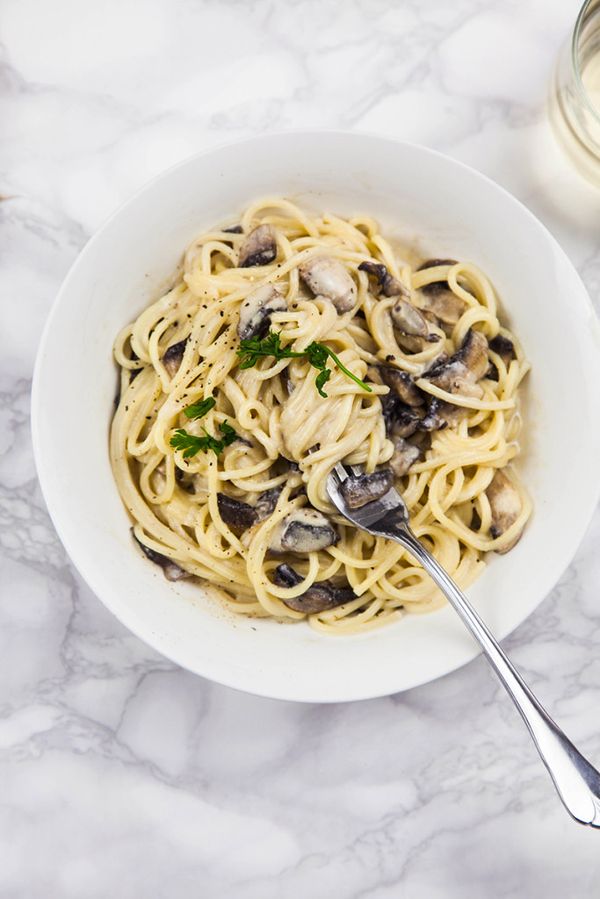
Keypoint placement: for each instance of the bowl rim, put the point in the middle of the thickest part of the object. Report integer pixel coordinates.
(60, 521)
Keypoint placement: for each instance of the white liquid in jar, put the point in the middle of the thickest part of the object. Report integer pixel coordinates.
(576, 120)
(590, 78)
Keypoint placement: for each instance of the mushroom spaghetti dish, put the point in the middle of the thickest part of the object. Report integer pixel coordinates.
(291, 342)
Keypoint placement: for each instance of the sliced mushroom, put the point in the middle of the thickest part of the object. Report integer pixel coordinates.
(410, 344)
(437, 300)
(439, 415)
(238, 515)
(184, 479)
(405, 455)
(388, 285)
(234, 229)
(171, 570)
(256, 311)
(504, 348)
(408, 320)
(402, 384)
(444, 307)
(173, 356)
(400, 420)
(328, 277)
(460, 373)
(318, 598)
(266, 503)
(259, 248)
(303, 531)
(358, 490)
(505, 505)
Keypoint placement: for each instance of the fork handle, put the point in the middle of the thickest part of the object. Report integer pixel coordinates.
(576, 780)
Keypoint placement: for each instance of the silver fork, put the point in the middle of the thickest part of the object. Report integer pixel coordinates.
(576, 780)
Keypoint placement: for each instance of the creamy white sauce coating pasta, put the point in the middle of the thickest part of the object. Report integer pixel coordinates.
(278, 412)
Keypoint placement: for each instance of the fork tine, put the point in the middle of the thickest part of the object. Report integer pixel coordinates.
(368, 516)
(340, 471)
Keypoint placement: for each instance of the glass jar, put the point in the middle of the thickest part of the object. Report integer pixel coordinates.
(575, 93)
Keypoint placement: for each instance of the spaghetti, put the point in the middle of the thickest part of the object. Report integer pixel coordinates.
(422, 383)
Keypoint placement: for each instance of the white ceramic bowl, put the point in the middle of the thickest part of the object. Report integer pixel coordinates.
(452, 211)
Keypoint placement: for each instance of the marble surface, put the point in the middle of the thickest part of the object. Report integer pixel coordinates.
(120, 774)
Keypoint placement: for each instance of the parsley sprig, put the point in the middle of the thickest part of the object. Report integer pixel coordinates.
(317, 354)
(190, 444)
(198, 410)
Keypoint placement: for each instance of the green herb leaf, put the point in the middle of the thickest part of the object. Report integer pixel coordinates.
(254, 348)
(347, 372)
(189, 444)
(198, 410)
(229, 435)
(322, 379)
(317, 354)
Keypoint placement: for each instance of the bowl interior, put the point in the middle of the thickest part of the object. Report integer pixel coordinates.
(419, 196)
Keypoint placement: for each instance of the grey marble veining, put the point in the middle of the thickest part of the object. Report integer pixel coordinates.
(120, 774)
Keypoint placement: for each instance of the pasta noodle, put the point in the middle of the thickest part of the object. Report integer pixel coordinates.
(450, 467)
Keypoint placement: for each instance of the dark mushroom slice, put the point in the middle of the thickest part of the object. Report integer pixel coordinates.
(237, 515)
(256, 311)
(240, 516)
(445, 308)
(460, 373)
(400, 420)
(186, 480)
(358, 490)
(259, 248)
(402, 384)
(438, 300)
(433, 420)
(319, 597)
(422, 440)
(234, 229)
(171, 570)
(173, 356)
(267, 502)
(410, 321)
(504, 348)
(505, 505)
(303, 531)
(388, 285)
(405, 456)
(328, 277)
(439, 415)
